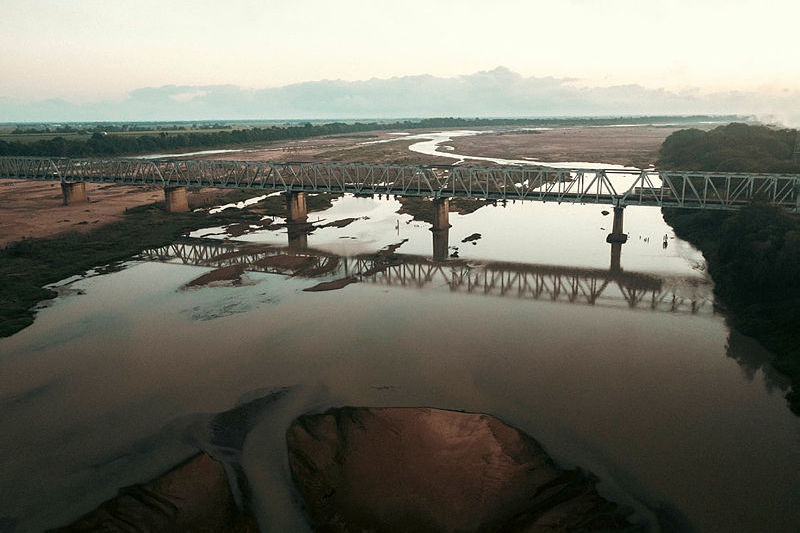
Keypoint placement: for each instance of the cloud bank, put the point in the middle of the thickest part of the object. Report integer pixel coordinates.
(496, 93)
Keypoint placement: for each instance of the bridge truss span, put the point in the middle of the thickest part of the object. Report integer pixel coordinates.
(586, 286)
(695, 190)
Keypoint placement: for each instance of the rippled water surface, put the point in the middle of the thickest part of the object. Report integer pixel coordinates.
(628, 372)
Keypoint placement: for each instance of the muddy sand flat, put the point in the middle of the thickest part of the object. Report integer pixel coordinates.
(417, 469)
(345, 150)
(31, 209)
(635, 146)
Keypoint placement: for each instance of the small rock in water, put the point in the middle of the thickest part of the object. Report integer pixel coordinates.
(231, 274)
(604, 212)
(332, 285)
(339, 223)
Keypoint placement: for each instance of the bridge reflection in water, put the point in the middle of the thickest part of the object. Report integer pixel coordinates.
(609, 288)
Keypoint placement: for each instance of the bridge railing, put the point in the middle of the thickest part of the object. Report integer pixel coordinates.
(714, 190)
(697, 190)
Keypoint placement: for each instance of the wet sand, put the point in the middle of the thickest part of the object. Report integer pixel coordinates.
(629, 146)
(193, 496)
(336, 149)
(623, 145)
(377, 469)
(390, 152)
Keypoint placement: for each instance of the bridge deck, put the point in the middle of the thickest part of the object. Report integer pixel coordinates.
(694, 190)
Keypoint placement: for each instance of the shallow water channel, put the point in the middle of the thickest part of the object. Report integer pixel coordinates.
(627, 372)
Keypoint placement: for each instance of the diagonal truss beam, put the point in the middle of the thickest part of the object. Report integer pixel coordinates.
(693, 190)
(510, 280)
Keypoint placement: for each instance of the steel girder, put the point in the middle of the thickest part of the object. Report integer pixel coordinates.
(694, 190)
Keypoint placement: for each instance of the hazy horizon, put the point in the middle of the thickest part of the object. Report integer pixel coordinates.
(195, 60)
(496, 93)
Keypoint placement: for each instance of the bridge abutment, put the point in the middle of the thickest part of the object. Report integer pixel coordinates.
(176, 200)
(296, 207)
(74, 192)
(616, 235)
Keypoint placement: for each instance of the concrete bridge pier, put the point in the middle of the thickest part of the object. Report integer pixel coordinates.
(441, 244)
(616, 257)
(296, 207)
(176, 200)
(441, 228)
(298, 236)
(441, 213)
(616, 235)
(74, 192)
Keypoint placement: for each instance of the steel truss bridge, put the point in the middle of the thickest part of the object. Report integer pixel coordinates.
(695, 190)
(607, 288)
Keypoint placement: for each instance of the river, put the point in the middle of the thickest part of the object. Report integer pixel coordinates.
(117, 379)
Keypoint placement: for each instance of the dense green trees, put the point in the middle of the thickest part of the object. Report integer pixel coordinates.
(753, 254)
(731, 148)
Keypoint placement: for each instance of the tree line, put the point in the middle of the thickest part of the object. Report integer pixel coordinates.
(731, 148)
(105, 143)
(753, 254)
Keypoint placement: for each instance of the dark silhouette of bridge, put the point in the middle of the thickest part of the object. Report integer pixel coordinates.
(610, 288)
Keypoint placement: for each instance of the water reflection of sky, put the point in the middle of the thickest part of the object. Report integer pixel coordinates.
(526, 232)
(115, 385)
(117, 381)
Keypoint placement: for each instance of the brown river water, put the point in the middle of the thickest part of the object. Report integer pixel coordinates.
(644, 384)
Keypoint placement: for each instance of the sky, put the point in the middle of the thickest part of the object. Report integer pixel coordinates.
(87, 52)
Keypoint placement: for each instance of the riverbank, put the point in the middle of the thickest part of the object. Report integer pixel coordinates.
(753, 256)
(27, 266)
